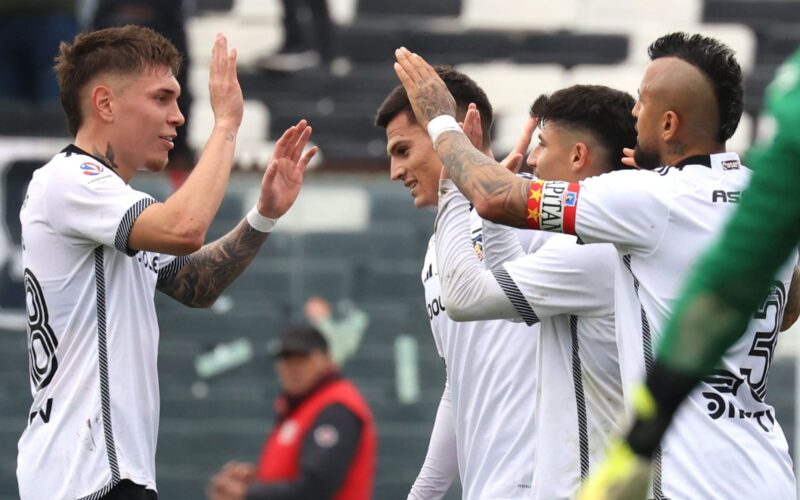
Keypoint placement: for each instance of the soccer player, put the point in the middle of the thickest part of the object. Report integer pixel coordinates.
(484, 424)
(567, 287)
(727, 443)
(95, 250)
(725, 288)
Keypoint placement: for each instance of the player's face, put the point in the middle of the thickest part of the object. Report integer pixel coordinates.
(299, 372)
(648, 114)
(551, 158)
(413, 160)
(146, 117)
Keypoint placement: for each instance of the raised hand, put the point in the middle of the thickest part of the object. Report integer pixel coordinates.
(227, 101)
(427, 92)
(514, 159)
(473, 129)
(281, 183)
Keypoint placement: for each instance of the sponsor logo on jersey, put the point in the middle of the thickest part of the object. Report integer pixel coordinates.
(720, 196)
(90, 168)
(730, 165)
(326, 436)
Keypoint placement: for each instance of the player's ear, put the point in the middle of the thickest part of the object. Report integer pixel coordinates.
(669, 125)
(102, 98)
(580, 156)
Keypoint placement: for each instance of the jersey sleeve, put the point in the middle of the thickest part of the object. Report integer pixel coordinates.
(98, 208)
(169, 265)
(441, 460)
(563, 277)
(469, 291)
(624, 208)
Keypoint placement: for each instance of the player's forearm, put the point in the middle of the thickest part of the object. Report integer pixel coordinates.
(195, 204)
(497, 194)
(214, 267)
(469, 292)
(500, 244)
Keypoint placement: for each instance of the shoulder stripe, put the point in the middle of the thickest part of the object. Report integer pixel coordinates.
(126, 224)
(515, 296)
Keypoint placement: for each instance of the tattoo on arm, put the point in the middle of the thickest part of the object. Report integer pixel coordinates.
(108, 157)
(484, 182)
(211, 269)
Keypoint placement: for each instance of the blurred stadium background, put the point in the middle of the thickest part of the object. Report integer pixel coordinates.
(353, 234)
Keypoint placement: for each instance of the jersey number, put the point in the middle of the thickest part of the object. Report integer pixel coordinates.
(764, 342)
(42, 342)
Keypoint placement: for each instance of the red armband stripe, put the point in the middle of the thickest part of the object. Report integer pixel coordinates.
(534, 201)
(571, 207)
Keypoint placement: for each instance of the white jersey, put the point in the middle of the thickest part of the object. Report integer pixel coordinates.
(92, 333)
(570, 288)
(725, 441)
(491, 374)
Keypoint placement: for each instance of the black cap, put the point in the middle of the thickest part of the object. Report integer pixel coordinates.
(298, 339)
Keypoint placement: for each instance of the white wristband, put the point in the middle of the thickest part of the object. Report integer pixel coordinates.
(441, 123)
(259, 222)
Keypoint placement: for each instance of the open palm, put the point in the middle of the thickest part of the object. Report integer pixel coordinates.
(284, 176)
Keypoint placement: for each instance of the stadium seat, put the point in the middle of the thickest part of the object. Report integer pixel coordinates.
(519, 14)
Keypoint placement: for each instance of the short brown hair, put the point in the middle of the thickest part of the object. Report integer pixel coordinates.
(464, 90)
(125, 50)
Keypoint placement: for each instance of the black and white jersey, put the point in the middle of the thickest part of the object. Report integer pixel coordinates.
(92, 333)
(491, 376)
(725, 441)
(568, 290)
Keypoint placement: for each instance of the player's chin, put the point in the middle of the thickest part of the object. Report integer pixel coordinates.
(157, 164)
(423, 201)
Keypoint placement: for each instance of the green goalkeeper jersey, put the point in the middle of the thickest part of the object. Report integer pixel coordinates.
(736, 273)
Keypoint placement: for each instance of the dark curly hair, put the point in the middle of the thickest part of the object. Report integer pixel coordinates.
(464, 91)
(603, 112)
(718, 62)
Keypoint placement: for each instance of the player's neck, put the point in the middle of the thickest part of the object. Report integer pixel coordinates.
(102, 148)
(676, 156)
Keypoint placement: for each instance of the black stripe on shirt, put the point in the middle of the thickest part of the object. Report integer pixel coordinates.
(647, 347)
(126, 224)
(515, 296)
(102, 358)
(580, 398)
(170, 270)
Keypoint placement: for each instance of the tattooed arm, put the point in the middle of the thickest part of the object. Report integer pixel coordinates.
(210, 270)
(498, 195)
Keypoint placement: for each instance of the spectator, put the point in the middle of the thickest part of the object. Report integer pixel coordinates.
(297, 52)
(323, 443)
(344, 333)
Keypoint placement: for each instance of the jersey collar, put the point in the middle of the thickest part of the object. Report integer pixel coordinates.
(75, 150)
(718, 161)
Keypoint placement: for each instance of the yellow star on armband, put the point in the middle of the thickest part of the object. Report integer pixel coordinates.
(536, 194)
(533, 214)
